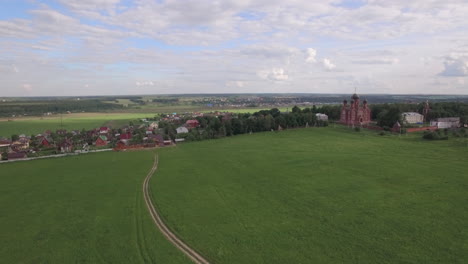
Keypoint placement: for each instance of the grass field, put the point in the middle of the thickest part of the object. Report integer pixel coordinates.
(80, 209)
(319, 195)
(34, 125)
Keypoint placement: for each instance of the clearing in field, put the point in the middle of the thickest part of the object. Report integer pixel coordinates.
(319, 195)
(80, 209)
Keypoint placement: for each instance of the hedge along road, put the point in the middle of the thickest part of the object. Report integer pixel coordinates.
(191, 253)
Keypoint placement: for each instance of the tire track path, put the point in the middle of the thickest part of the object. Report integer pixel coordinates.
(177, 242)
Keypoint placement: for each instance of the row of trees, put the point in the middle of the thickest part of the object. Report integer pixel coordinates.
(59, 106)
(265, 120)
(387, 115)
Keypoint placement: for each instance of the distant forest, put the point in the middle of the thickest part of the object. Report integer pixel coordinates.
(441, 105)
(61, 106)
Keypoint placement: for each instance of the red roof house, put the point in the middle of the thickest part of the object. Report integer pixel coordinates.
(103, 130)
(126, 136)
(44, 141)
(101, 141)
(192, 123)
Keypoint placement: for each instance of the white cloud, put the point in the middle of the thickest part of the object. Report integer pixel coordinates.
(455, 66)
(378, 61)
(235, 84)
(27, 87)
(90, 4)
(275, 74)
(311, 53)
(193, 46)
(328, 65)
(144, 83)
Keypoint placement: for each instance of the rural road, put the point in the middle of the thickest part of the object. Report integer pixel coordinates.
(188, 251)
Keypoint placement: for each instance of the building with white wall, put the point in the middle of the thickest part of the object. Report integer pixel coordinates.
(446, 122)
(412, 118)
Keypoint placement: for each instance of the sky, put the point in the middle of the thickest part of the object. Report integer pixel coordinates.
(123, 47)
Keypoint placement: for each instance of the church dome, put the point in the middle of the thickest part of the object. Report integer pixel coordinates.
(345, 101)
(365, 101)
(354, 97)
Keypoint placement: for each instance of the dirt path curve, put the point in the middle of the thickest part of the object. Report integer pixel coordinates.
(188, 251)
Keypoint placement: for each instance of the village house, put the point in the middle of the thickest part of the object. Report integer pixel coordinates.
(153, 125)
(355, 113)
(396, 127)
(193, 123)
(181, 130)
(65, 146)
(104, 130)
(21, 144)
(5, 143)
(93, 133)
(321, 117)
(446, 122)
(412, 118)
(43, 141)
(101, 141)
(125, 137)
(158, 139)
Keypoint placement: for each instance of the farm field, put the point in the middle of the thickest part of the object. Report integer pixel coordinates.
(80, 209)
(318, 195)
(34, 125)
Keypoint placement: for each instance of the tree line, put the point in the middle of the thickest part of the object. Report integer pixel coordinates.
(41, 107)
(229, 125)
(387, 115)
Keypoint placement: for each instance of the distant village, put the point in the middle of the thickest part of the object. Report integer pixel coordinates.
(170, 129)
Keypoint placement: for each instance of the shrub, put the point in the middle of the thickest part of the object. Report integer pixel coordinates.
(357, 129)
(434, 135)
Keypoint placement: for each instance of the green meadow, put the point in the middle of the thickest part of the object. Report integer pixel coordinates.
(34, 125)
(318, 195)
(80, 209)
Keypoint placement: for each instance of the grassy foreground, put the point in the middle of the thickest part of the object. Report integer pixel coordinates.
(318, 195)
(80, 209)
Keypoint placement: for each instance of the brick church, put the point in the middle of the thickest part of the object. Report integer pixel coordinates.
(355, 113)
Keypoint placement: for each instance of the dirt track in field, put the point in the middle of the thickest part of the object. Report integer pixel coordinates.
(177, 242)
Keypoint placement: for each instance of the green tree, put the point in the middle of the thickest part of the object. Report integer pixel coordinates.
(296, 109)
(389, 117)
